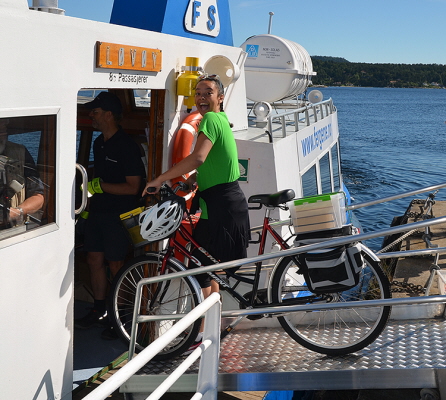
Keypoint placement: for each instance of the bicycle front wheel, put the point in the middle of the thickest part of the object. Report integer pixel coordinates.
(174, 296)
(337, 331)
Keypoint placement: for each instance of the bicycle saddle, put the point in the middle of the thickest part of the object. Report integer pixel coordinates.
(274, 199)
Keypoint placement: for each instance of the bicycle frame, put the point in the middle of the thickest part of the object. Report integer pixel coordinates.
(174, 245)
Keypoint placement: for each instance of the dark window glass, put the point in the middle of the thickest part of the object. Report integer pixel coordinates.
(27, 173)
(335, 162)
(324, 165)
(309, 182)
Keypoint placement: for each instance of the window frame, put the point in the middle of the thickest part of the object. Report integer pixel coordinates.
(53, 225)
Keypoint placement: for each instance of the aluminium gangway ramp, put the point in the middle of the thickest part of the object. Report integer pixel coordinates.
(408, 354)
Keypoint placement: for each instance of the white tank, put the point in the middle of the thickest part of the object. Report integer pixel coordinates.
(275, 68)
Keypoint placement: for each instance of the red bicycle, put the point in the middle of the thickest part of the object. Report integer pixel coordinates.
(332, 331)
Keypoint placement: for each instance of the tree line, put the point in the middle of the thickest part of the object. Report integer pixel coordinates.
(333, 71)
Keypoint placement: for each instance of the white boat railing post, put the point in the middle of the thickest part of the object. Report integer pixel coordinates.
(207, 383)
(283, 122)
(296, 121)
(307, 117)
(132, 345)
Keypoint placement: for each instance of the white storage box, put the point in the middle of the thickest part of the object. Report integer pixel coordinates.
(315, 213)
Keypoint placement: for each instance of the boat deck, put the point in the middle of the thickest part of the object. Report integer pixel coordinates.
(409, 354)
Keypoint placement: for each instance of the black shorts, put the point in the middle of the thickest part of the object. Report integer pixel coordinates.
(225, 234)
(105, 233)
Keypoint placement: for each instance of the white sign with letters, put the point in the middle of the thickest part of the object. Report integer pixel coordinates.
(202, 17)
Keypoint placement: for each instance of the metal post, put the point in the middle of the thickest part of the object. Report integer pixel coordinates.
(207, 383)
(270, 22)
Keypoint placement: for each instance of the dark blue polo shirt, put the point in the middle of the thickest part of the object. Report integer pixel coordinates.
(115, 159)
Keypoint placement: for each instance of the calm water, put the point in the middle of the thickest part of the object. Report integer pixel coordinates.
(392, 141)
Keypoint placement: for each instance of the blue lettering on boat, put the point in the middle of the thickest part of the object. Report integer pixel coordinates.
(211, 14)
(316, 140)
(195, 12)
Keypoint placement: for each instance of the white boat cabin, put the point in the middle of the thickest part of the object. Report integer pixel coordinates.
(51, 65)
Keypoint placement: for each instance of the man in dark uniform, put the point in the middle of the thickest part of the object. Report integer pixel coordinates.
(118, 174)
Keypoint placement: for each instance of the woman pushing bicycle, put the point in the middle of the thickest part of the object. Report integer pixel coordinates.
(223, 228)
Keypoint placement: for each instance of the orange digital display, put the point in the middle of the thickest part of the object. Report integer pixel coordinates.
(120, 56)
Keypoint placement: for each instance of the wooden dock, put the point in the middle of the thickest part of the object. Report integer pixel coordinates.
(412, 273)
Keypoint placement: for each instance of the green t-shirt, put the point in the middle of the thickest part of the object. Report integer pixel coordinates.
(221, 164)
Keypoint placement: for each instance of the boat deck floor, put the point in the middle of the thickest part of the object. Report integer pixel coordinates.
(408, 354)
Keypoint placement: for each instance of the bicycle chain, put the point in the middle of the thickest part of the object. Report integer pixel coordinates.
(406, 287)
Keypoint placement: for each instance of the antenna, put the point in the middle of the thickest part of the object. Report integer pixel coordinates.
(270, 22)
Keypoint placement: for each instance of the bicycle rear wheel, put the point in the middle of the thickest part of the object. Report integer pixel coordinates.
(175, 296)
(338, 331)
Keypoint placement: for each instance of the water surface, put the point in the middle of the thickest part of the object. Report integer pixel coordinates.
(392, 141)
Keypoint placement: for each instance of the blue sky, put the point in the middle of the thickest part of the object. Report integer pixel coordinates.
(378, 31)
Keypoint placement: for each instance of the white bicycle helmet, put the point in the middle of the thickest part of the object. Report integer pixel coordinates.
(161, 220)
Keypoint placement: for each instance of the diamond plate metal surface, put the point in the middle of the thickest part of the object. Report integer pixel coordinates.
(414, 344)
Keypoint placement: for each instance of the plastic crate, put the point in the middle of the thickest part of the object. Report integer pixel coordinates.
(326, 211)
(131, 224)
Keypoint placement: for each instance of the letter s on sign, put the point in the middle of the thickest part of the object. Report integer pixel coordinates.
(211, 14)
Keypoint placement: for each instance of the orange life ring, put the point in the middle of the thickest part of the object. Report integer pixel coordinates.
(184, 140)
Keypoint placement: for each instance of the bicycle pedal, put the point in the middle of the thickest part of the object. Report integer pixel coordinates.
(255, 317)
(261, 296)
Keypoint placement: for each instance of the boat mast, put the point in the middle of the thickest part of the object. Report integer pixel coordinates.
(270, 22)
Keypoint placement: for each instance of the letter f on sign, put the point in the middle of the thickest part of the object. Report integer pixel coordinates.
(195, 13)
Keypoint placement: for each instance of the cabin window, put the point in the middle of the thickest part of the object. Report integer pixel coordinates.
(27, 178)
(309, 182)
(324, 166)
(335, 161)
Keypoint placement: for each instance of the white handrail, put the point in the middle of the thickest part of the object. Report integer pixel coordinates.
(397, 196)
(210, 348)
(295, 113)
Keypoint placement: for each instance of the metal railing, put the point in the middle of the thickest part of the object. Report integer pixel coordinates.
(293, 116)
(398, 196)
(209, 351)
(251, 260)
(296, 250)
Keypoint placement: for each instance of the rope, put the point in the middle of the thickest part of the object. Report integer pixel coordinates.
(400, 239)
